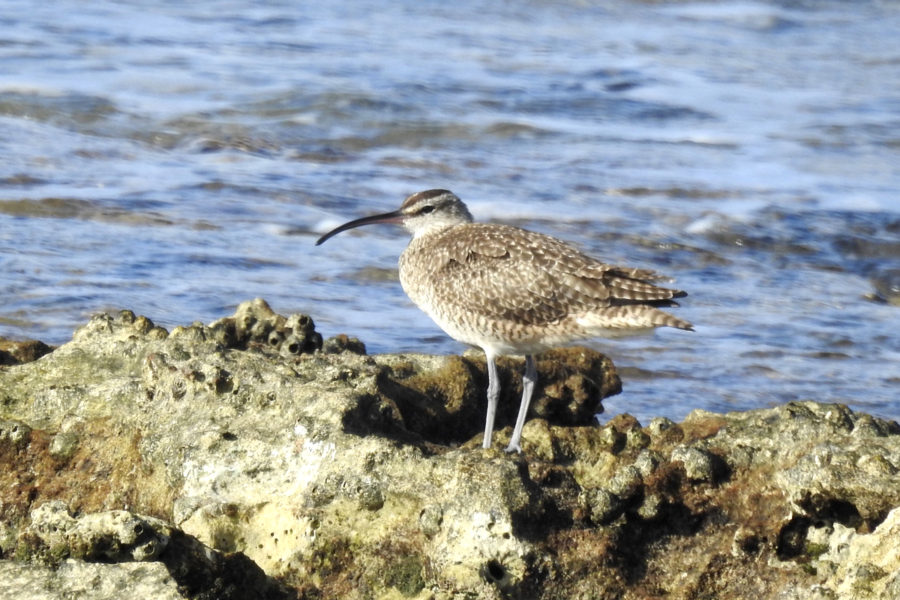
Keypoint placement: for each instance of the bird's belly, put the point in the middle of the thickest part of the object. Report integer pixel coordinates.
(494, 336)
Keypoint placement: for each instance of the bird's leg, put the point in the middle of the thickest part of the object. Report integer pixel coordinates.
(493, 396)
(528, 382)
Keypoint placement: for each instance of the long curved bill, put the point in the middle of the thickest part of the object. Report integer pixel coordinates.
(391, 217)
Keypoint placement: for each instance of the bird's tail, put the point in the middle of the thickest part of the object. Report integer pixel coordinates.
(663, 319)
(622, 320)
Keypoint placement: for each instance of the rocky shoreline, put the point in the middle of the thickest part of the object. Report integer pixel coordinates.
(250, 458)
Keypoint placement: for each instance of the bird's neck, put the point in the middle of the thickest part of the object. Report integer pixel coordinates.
(437, 227)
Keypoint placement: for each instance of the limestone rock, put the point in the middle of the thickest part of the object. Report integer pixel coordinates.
(79, 579)
(114, 536)
(863, 566)
(250, 459)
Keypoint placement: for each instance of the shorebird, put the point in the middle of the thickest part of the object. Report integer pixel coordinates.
(510, 291)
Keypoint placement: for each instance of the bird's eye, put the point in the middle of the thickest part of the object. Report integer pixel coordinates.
(426, 209)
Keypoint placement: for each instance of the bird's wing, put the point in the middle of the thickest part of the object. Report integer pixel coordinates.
(623, 285)
(503, 272)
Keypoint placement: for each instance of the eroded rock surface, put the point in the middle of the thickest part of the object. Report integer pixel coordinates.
(252, 459)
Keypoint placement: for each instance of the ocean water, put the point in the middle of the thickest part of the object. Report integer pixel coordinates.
(179, 158)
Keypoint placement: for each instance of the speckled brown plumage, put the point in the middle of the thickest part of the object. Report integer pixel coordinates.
(523, 291)
(513, 291)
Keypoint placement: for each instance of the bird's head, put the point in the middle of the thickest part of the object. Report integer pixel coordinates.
(420, 213)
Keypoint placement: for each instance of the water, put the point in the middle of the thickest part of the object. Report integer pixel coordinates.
(179, 158)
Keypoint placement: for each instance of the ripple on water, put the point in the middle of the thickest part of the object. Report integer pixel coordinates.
(178, 161)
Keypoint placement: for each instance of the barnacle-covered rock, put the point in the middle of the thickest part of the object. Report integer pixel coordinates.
(255, 325)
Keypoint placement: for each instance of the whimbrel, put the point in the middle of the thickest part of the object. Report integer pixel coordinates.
(511, 291)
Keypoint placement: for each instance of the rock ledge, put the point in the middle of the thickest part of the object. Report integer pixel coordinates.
(252, 459)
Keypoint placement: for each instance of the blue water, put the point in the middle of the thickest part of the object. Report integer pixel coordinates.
(179, 158)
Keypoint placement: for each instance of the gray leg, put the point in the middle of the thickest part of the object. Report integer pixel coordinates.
(493, 395)
(528, 382)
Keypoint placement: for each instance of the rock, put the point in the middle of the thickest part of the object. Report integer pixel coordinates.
(863, 566)
(16, 353)
(699, 465)
(604, 506)
(63, 445)
(343, 343)
(54, 538)
(216, 462)
(887, 286)
(113, 536)
(79, 579)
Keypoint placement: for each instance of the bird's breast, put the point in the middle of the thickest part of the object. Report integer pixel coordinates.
(418, 264)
